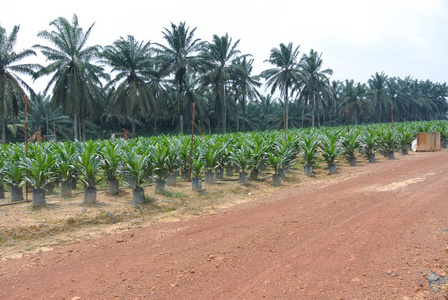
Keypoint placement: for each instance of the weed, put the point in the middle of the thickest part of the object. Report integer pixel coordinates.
(236, 190)
(149, 199)
(171, 194)
(219, 195)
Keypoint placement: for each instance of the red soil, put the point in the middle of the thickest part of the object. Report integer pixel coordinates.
(371, 233)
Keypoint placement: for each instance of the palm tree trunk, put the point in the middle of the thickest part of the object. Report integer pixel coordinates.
(244, 113)
(180, 107)
(335, 111)
(334, 84)
(48, 128)
(303, 113)
(325, 117)
(2, 116)
(79, 128)
(75, 126)
(313, 109)
(155, 125)
(238, 122)
(181, 124)
(83, 129)
(133, 126)
(223, 112)
(286, 108)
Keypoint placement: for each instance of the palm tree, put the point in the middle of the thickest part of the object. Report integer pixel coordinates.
(218, 60)
(178, 57)
(379, 94)
(434, 96)
(400, 98)
(316, 83)
(133, 63)
(75, 80)
(354, 100)
(41, 116)
(336, 90)
(264, 113)
(245, 84)
(286, 73)
(11, 91)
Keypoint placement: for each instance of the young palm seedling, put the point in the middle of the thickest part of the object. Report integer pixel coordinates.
(388, 142)
(350, 145)
(309, 145)
(136, 165)
(279, 157)
(112, 159)
(405, 137)
(2, 180)
(159, 162)
(14, 173)
(39, 170)
(65, 155)
(197, 167)
(211, 157)
(173, 162)
(242, 158)
(258, 152)
(330, 146)
(88, 164)
(369, 143)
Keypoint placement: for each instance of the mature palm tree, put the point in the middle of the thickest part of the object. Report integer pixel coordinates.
(380, 96)
(133, 63)
(355, 102)
(245, 84)
(434, 94)
(286, 74)
(11, 91)
(75, 80)
(336, 90)
(400, 98)
(316, 85)
(178, 57)
(191, 92)
(218, 59)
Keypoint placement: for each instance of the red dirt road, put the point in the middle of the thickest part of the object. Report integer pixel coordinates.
(371, 233)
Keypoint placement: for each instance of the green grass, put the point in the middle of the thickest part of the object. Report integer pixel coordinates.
(171, 194)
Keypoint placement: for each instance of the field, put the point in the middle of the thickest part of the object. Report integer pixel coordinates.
(367, 230)
(26, 229)
(373, 231)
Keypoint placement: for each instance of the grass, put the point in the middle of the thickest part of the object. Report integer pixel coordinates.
(171, 194)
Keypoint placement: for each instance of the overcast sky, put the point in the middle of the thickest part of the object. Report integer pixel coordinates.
(357, 37)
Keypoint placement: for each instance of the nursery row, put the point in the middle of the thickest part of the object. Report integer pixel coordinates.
(162, 158)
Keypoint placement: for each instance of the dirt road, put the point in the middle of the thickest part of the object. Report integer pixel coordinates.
(376, 231)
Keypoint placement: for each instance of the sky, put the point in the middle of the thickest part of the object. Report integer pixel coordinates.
(357, 38)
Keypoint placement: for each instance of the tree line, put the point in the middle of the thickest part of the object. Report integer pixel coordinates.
(150, 87)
